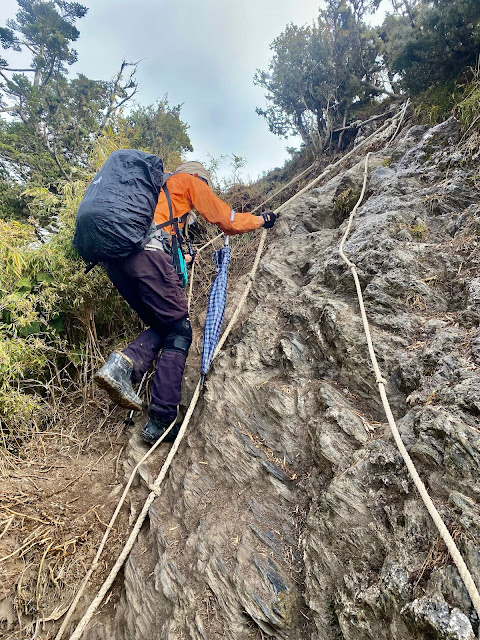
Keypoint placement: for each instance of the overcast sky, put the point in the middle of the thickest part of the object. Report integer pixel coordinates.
(204, 54)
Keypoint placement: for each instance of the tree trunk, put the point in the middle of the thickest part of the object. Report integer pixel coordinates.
(380, 90)
(38, 70)
(340, 137)
(303, 131)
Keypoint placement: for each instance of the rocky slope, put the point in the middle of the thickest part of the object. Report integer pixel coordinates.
(288, 512)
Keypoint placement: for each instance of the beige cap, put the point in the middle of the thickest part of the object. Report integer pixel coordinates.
(195, 168)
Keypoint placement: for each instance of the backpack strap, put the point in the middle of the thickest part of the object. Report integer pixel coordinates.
(165, 177)
(172, 221)
(90, 266)
(182, 219)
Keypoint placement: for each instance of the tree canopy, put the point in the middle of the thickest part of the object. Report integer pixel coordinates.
(429, 42)
(51, 120)
(158, 129)
(322, 74)
(51, 115)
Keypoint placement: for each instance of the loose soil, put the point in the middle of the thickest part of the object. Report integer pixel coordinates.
(56, 499)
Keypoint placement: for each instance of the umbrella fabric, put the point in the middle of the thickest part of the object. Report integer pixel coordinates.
(216, 307)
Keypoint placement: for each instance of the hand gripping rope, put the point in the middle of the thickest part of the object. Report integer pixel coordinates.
(155, 488)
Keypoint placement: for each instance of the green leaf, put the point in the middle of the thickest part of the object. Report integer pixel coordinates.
(15, 296)
(77, 357)
(57, 324)
(29, 329)
(23, 285)
(44, 277)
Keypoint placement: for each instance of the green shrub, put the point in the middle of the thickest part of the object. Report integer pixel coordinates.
(419, 231)
(433, 44)
(468, 109)
(52, 314)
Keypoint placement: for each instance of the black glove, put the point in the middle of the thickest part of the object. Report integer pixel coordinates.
(192, 253)
(269, 218)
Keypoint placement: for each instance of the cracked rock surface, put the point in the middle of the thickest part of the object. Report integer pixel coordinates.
(288, 512)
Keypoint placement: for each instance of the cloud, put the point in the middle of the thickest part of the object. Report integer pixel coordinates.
(203, 54)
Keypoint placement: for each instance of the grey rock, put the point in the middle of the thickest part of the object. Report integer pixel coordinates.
(435, 618)
(288, 511)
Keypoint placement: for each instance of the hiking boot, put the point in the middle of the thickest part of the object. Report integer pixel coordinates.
(116, 378)
(156, 427)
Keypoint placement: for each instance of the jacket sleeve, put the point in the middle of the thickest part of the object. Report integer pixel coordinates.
(216, 211)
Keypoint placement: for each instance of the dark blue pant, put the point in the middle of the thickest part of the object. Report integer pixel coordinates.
(148, 282)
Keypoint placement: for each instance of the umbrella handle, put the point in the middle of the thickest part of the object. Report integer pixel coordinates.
(227, 238)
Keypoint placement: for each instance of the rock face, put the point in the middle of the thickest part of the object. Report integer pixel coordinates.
(288, 512)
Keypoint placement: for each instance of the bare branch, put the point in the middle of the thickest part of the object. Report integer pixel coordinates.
(57, 161)
(117, 106)
(52, 151)
(8, 109)
(16, 107)
(380, 90)
(26, 44)
(360, 123)
(22, 115)
(118, 89)
(7, 80)
(17, 70)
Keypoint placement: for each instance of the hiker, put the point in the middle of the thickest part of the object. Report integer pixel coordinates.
(149, 283)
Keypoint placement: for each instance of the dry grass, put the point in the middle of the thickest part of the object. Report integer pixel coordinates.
(57, 487)
(415, 301)
(57, 493)
(57, 490)
(438, 556)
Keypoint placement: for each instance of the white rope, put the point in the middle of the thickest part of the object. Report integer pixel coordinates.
(335, 165)
(155, 487)
(400, 122)
(94, 565)
(309, 186)
(436, 517)
(138, 524)
(220, 235)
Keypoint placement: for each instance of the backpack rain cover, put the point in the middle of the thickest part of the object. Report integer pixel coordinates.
(117, 209)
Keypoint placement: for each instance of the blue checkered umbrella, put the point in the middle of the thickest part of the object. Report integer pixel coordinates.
(216, 308)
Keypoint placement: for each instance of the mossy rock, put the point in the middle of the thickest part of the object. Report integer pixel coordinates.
(345, 201)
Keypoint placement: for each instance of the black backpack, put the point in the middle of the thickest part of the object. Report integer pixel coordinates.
(116, 212)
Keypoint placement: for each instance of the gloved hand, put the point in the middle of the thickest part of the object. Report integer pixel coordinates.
(190, 259)
(269, 218)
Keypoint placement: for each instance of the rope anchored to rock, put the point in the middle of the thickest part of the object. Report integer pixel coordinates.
(155, 488)
(432, 510)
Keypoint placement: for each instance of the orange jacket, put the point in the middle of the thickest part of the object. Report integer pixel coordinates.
(188, 192)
